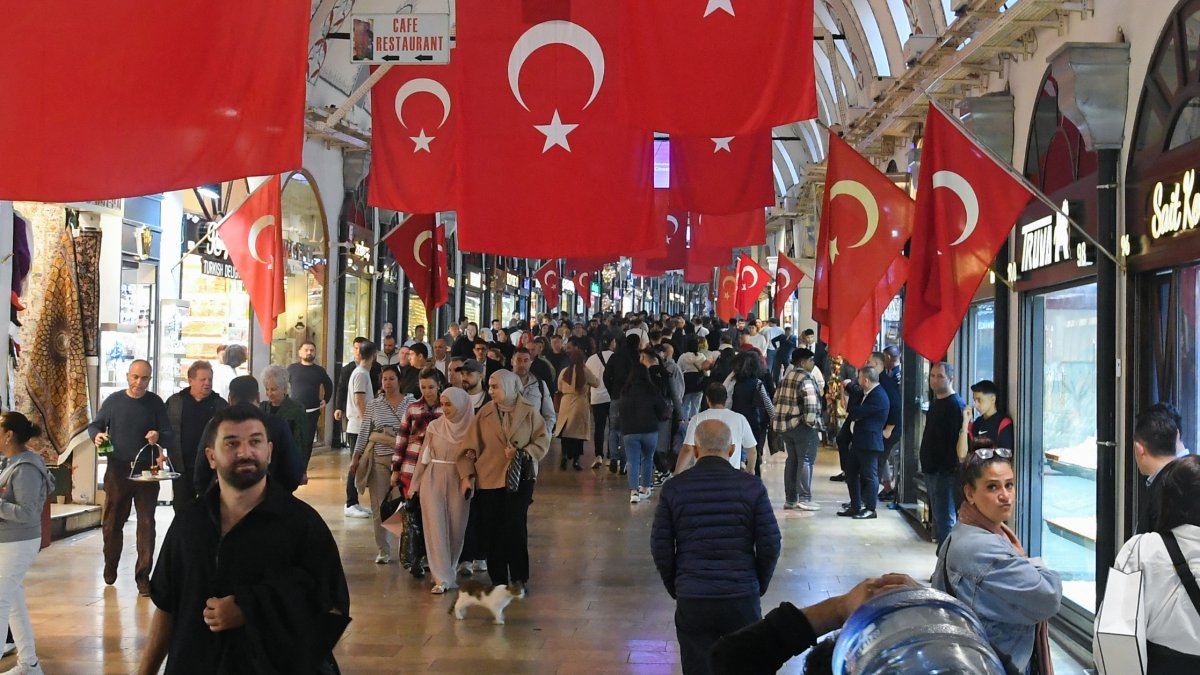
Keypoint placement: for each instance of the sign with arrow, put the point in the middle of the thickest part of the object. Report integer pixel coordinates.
(400, 38)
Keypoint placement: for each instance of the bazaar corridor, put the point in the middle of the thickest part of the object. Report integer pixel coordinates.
(596, 604)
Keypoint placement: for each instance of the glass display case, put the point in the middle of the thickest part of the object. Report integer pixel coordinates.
(172, 368)
(132, 337)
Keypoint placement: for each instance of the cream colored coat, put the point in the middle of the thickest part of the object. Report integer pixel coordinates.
(575, 408)
(526, 431)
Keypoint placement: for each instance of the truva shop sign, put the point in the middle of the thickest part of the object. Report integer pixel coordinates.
(1047, 241)
(1176, 207)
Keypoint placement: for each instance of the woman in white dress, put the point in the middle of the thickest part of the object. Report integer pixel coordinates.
(443, 479)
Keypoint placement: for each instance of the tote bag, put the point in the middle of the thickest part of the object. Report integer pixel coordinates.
(1119, 645)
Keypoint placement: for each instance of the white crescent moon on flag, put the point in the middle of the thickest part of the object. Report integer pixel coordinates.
(426, 85)
(785, 274)
(552, 275)
(859, 192)
(959, 186)
(555, 33)
(674, 225)
(252, 239)
(753, 271)
(421, 239)
(731, 280)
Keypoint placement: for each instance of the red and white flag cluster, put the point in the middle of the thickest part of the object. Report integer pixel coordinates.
(253, 236)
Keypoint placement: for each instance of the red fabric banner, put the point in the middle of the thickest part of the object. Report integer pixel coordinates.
(583, 287)
(588, 264)
(110, 99)
(865, 221)
(722, 176)
(549, 162)
(719, 67)
(414, 139)
(701, 261)
(966, 206)
(752, 279)
(856, 342)
(727, 291)
(548, 279)
(419, 245)
(674, 228)
(253, 236)
(787, 279)
(741, 229)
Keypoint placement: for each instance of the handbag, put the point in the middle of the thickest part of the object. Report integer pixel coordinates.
(520, 468)
(1119, 644)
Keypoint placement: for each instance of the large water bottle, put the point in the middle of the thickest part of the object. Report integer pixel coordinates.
(914, 630)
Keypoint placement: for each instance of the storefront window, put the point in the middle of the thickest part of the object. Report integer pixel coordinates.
(417, 316)
(357, 318)
(304, 241)
(473, 306)
(133, 336)
(218, 312)
(980, 343)
(1064, 436)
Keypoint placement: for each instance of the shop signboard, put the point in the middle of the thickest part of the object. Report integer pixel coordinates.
(1050, 240)
(1175, 206)
(400, 38)
(108, 207)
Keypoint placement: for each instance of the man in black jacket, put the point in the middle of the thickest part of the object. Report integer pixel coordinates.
(189, 411)
(939, 449)
(715, 542)
(1155, 445)
(867, 419)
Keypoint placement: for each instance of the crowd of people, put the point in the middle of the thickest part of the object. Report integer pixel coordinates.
(455, 432)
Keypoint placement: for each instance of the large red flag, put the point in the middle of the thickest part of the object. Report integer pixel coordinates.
(865, 221)
(719, 67)
(549, 163)
(414, 139)
(740, 229)
(701, 261)
(243, 233)
(966, 206)
(857, 340)
(114, 99)
(419, 245)
(583, 287)
(727, 291)
(752, 280)
(722, 176)
(674, 228)
(547, 277)
(787, 279)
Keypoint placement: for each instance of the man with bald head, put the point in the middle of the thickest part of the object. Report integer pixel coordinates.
(715, 543)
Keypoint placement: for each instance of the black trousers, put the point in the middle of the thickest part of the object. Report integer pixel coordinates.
(700, 622)
(471, 549)
(351, 491)
(862, 478)
(503, 532)
(572, 448)
(313, 418)
(599, 422)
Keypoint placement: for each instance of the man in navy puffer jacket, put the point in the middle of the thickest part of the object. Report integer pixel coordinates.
(715, 543)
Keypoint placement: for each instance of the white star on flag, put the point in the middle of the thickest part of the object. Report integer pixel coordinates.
(723, 5)
(722, 144)
(556, 133)
(421, 142)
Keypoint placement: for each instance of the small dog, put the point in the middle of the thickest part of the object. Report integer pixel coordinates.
(494, 598)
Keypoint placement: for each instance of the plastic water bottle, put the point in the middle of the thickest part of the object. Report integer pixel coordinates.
(914, 630)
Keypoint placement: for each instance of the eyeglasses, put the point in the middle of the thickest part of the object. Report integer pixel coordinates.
(988, 453)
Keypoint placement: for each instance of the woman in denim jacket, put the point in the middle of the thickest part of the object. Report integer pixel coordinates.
(983, 564)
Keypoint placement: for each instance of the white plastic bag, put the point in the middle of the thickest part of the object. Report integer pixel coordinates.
(1119, 645)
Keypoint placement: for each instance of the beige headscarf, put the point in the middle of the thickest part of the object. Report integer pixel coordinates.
(510, 384)
(453, 428)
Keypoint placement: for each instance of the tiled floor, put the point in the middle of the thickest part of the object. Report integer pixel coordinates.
(596, 604)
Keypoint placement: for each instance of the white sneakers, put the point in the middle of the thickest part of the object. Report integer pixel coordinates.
(634, 496)
(355, 511)
(383, 559)
(808, 506)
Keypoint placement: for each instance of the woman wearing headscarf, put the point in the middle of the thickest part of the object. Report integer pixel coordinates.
(443, 479)
(574, 427)
(503, 447)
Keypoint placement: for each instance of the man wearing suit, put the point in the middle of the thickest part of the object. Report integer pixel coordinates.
(867, 420)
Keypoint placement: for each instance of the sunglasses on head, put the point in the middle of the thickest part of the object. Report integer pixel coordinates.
(988, 453)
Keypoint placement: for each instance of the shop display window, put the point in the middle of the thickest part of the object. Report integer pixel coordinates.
(416, 315)
(304, 238)
(356, 320)
(219, 314)
(132, 337)
(1063, 437)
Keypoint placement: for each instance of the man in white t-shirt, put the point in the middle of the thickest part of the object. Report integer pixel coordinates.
(359, 393)
(739, 429)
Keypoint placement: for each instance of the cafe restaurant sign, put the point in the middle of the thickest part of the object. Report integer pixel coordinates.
(1176, 207)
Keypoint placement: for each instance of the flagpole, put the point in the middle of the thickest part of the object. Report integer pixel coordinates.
(1033, 189)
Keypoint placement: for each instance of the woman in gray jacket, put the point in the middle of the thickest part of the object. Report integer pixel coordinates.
(24, 486)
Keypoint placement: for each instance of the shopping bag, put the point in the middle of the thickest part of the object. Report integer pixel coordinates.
(1119, 646)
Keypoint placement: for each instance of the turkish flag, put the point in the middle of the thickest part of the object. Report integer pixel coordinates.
(733, 231)
(966, 206)
(588, 264)
(701, 261)
(727, 294)
(857, 340)
(547, 277)
(583, 287)
(674, 228)
(251, 232)
(550, 165)
(722, 176)
(414, 139)
(718, 67)
(752, 280)
(419, 245)
(787, 279)
(116, 99)
(865, 221)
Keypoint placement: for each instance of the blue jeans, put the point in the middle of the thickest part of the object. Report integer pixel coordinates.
(941, 488)
(801, 446)
(639, 457)
(691, 404)
(615, 451)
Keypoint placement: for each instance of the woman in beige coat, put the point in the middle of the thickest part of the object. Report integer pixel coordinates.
(506, 430)
(574, 426)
